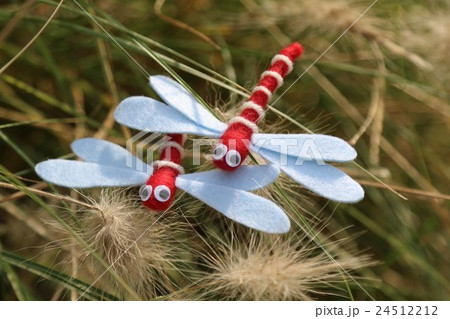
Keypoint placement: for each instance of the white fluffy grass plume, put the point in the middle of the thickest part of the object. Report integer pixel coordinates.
(265, 269)
(137, 243)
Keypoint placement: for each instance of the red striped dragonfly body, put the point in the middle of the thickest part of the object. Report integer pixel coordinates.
(106, 164)
(305, 158)
(234, 144)
(159, 191)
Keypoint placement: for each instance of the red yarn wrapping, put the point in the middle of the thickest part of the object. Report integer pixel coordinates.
(250, 114)
(161, 176)
(292, 51)
(238, 136)
(171, 153)
(165, 175)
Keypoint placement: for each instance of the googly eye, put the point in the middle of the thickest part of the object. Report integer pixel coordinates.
(145, 192)
(162, 193)
(219, 151)
(233, 158)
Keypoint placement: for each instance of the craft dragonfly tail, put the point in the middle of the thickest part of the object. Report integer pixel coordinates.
(306, 158)
(234, 144)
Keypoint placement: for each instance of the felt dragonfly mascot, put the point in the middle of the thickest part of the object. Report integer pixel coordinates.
(106, 164)
(303, 157)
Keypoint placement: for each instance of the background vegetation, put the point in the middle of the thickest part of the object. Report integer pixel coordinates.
(383, 86)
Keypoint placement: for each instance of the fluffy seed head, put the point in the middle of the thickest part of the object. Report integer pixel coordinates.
(137, 243)
(280, 270)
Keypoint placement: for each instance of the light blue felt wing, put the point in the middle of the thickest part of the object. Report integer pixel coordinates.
(146, 114)
(99, 151)
(246, 178)
(324, 180)
(306, 146)
(176, 96)
(75, 174)
(243, 207)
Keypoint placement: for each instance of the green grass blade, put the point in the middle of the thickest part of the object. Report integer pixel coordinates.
(22, 292)
(88, 291)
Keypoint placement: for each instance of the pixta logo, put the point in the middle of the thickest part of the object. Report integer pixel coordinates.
(140, 143)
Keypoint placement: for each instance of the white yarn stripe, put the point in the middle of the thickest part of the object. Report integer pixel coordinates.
(263, 89)
(285, 59)
(249, 124)
(256, 107)
(178, 167)
(277, 76)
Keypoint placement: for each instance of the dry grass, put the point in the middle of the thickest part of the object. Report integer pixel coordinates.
(275, 269)
(140, 246)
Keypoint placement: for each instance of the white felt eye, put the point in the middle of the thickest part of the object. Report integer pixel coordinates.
(162, 193)
(145, 192)
(233, 158)
(219, 151)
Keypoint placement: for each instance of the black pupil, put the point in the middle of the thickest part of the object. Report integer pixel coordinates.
(234, 159)
(164, 194)
(217, 151)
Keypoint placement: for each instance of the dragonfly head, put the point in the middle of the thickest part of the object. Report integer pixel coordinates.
(159, 191)
(229, 154)
(233, 147)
